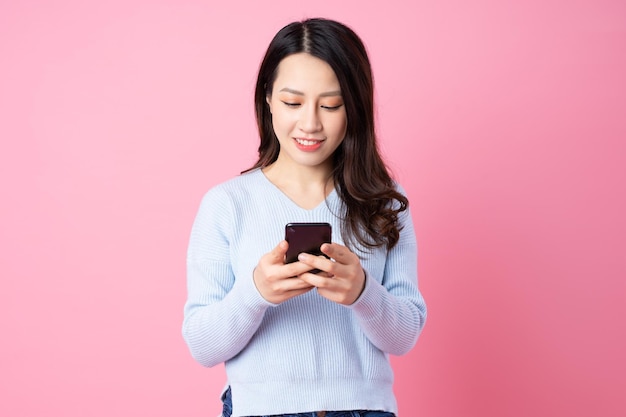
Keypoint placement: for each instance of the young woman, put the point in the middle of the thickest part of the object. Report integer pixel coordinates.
(296, 342)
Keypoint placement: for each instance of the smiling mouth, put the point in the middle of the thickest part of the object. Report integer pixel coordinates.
(308, 142)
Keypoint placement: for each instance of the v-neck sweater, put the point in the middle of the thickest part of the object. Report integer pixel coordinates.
(307, 353)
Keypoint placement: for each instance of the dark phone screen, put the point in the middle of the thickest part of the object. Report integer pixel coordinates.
(306, 237)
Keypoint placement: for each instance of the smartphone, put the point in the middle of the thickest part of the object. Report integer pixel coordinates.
(306, 237)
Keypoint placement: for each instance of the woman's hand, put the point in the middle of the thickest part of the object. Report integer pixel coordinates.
(342, 280)
(277, 281)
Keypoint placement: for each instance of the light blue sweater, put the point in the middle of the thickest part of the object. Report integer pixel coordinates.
(307, 353)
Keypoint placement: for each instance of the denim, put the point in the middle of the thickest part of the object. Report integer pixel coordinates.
(227, 410)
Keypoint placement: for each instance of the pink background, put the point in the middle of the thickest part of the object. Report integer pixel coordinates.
(505, 121)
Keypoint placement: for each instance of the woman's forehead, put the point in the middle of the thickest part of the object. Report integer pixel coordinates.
(302, 74)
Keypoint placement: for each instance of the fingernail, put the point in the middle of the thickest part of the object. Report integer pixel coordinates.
(303, 257)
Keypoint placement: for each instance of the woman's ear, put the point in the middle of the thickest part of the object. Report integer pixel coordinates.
(268, 99)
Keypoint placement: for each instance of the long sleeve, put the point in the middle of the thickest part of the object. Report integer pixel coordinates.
(221, 314)
(392, 313)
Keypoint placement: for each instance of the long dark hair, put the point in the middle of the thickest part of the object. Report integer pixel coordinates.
(361, 178)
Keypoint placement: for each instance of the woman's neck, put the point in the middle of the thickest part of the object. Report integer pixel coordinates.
(306, 186)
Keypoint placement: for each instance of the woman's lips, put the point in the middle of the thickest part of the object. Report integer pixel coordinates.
(308, 145)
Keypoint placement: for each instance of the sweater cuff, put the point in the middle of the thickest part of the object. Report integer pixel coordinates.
(369, 304)
(248, 293)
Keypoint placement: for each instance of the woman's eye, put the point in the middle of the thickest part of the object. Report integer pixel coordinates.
(332, 108)
(289, 104)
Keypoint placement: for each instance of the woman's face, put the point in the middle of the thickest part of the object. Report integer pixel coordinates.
(308, 112)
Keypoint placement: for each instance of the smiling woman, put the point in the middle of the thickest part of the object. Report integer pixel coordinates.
(308, 116)
(295, 340)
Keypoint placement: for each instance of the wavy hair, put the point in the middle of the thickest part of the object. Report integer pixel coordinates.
(367, 191)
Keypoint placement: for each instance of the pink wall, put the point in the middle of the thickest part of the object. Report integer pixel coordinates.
(505, 121)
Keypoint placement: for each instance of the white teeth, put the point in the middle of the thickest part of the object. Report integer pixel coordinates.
(306, 142)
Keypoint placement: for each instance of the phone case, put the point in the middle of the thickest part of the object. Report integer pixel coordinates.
(306, 237)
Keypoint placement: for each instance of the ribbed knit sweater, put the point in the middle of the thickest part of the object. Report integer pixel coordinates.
(307, 353)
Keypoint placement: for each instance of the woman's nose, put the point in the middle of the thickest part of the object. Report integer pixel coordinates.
(310, 121)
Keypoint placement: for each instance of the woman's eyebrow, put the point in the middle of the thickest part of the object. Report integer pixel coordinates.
(300, 93)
